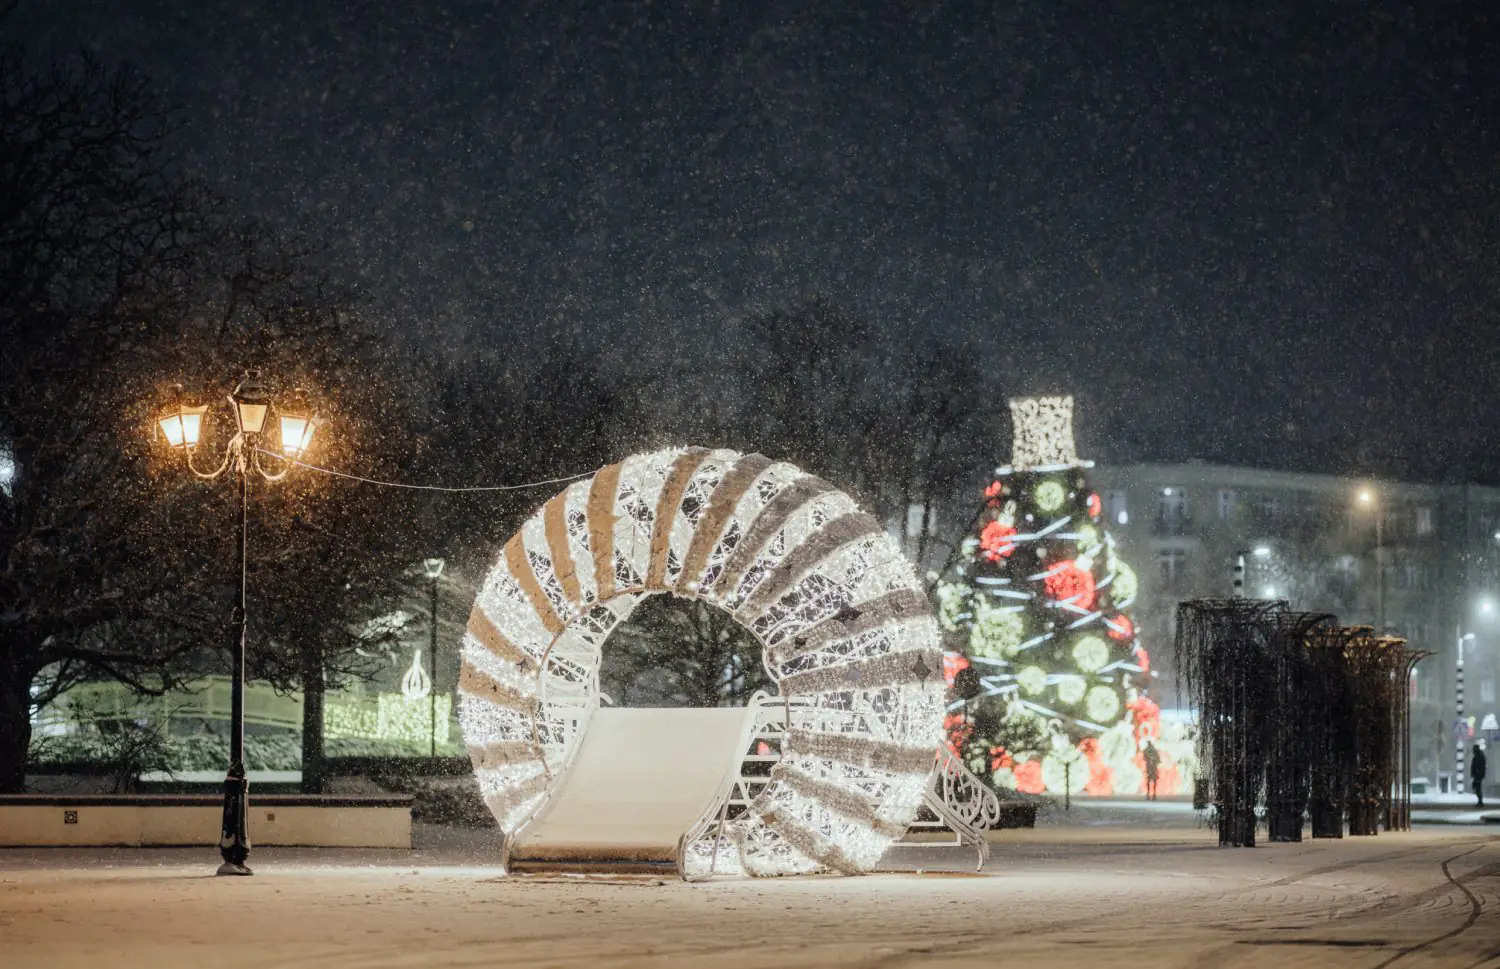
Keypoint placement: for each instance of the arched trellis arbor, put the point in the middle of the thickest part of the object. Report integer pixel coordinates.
(844, 623)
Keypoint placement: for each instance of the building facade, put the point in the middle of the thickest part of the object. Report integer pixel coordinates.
(1421, 561)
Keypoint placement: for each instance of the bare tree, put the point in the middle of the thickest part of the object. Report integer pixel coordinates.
(682, 653)
(96, 237)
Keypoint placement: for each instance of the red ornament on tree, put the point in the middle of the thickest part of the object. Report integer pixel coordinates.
(1121, 629)
(1096, 507)
(997, 540)
(956, 732)
(954, 664)
(1071, 583)
(993, 492)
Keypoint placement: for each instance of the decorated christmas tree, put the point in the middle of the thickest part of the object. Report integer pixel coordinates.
(1050, 679)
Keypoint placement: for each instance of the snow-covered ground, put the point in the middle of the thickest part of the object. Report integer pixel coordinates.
(1067, 894)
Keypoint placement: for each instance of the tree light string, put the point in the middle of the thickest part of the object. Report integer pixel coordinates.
(424, 487)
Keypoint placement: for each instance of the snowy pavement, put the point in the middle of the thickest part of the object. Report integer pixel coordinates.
(1069, 895)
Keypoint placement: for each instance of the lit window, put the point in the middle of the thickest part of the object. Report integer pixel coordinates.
(1173, 565)
(1115, 505)
(1424, 521)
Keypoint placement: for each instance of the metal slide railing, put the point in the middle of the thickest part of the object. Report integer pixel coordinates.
(958, 803)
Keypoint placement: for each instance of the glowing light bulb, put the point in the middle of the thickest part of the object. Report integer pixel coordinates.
(416, 685)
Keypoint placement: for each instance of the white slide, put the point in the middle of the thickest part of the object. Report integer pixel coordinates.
(640, 781)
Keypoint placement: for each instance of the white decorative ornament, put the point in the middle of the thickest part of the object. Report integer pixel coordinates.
(1065, 770)
(1102, 705)
(1032, 680)
(1070, 688)
(1090, 653)
(1050, 496)
(843, 620)
(416, 684)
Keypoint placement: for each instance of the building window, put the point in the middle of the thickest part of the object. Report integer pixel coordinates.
(1487, 690)
(1171, 511)
(1173, 564)
(915, 517)
(1424, 520)
(1116, 505)
(1226, 504)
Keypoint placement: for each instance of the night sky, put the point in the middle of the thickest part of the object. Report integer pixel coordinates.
(1252, 232)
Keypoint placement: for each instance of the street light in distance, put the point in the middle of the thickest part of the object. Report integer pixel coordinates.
(433, 568)
(1365, 498)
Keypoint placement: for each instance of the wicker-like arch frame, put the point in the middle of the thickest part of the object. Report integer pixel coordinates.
(845, 627)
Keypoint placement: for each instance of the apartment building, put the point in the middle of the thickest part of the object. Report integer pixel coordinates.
(1423, 560)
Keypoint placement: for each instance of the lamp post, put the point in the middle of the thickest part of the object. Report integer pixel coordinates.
(434, 569)
(181, 427)
(1458, 736)
(1367, 500)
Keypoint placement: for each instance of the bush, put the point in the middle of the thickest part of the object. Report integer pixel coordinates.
(103, 745)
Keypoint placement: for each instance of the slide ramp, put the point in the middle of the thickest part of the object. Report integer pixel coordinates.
(640, 780)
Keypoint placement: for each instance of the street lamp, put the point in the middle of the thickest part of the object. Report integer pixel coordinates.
(1366, 499)
(1458, 736)
(182, 426)
(434, 569)
(1238, 584)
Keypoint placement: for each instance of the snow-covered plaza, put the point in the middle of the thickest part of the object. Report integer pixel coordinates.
(1158, 894)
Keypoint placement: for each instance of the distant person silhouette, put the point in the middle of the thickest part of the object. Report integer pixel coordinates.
(1153, 765)
(1476, 772)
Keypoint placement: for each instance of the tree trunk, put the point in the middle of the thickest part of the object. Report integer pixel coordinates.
(15, 728)
(314, 766)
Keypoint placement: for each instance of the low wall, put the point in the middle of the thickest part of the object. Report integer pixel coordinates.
(41, 820)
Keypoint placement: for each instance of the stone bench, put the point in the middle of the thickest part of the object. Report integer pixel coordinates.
(140, 820)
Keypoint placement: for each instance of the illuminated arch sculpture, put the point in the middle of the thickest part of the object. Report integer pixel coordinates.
(846, 630)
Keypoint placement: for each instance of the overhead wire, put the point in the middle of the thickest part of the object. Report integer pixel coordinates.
(426, 487)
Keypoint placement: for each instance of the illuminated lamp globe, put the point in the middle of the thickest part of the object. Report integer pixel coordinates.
(297, 434)
(182, 425)
(298, 424)
(252, 401)
(1070, 689)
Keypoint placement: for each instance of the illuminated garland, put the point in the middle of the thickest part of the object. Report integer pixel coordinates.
(842, 617)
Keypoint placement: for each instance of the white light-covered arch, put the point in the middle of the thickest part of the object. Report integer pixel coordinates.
(847, 633)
